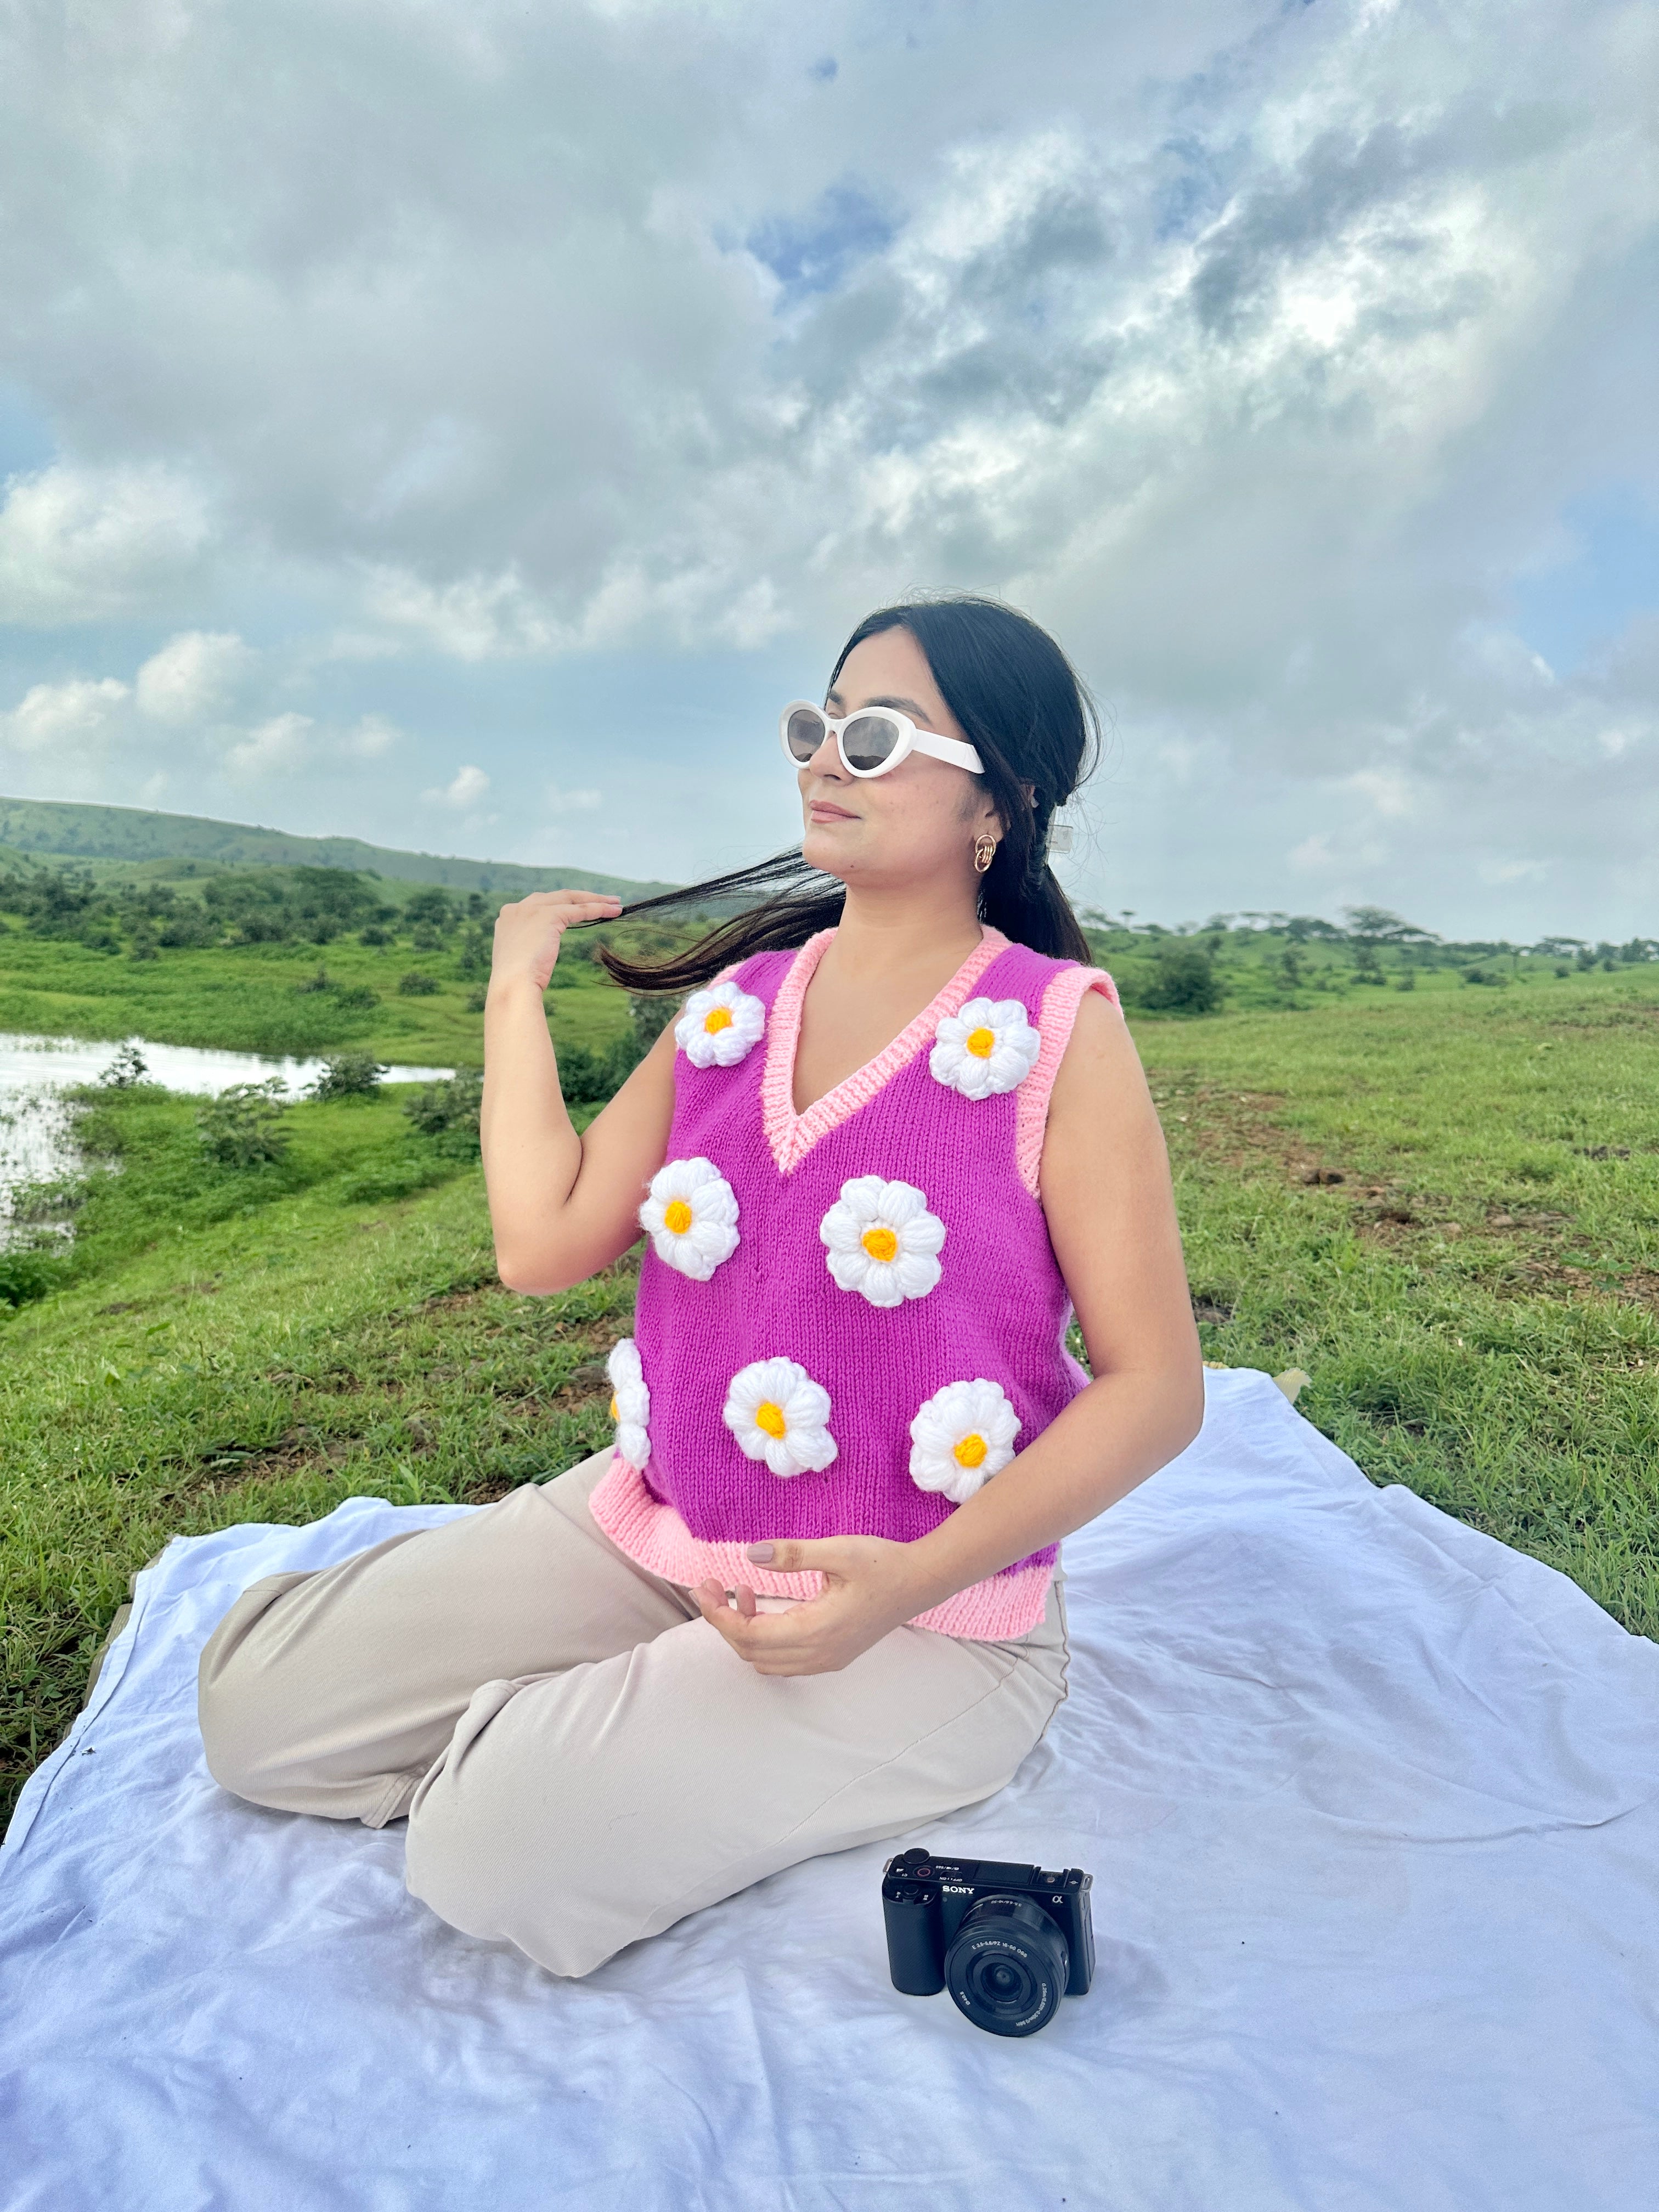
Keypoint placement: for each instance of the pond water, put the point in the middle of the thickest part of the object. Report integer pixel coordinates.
(37, 1141)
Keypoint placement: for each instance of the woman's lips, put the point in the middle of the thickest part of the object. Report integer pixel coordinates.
(822, 810)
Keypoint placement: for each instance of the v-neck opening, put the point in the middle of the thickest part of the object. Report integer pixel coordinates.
(792, 1135)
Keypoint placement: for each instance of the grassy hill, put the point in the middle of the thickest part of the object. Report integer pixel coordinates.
(1443, 1205)
(33, 828)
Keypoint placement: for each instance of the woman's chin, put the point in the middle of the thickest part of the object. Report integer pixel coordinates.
(824, 846)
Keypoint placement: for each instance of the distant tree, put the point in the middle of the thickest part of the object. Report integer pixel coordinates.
(431, 905)
(1312, 929)
(1183, 980)
(1367, 968)
(1376, 924)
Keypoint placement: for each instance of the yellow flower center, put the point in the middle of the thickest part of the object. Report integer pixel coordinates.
(880, 1241)
(717, 1018)
(970, 1451)
(770, 1418)
(676, 1215)
(982, 1042)
(616, 1410)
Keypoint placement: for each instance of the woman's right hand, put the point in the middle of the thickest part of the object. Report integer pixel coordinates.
(528, 931)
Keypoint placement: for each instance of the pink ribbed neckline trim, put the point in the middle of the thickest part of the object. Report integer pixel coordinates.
(792, 1135)
(1056, 1022)
(656, 1537)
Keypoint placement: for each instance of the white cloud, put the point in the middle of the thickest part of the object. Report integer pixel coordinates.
(1313, 856)
(571, 802)
(80, 545)
(473, 618)
(1388, 790)
(194, 678)
(1500, 871)
(65, 718)
(273, 748)
(373, 737)
(467, 791)
(1258, 351)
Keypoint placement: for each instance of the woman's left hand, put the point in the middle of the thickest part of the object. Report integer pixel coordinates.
(867, 1591)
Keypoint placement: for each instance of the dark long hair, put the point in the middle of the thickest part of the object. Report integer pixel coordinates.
(1020, 704)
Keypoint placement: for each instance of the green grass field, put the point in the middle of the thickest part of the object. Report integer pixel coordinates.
(264, 999)
(1443, 1205)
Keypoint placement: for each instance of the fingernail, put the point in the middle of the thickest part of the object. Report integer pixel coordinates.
(760, 1554)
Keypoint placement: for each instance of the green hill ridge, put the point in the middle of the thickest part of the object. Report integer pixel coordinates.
(63, 830)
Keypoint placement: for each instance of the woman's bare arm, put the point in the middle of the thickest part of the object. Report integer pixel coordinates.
(561, 1205)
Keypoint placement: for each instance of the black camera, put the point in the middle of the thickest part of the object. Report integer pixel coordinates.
(1007, 1941)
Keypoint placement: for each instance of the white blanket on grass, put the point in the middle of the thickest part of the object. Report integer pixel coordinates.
(1368, 1801)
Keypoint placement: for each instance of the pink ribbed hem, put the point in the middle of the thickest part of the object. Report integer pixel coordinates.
(656, 1537)
(1055, 1024)
(792, 1135)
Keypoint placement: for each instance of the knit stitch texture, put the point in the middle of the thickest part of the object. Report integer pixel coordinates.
(998, 1311)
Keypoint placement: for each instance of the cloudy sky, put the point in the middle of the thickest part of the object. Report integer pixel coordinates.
(465, 424)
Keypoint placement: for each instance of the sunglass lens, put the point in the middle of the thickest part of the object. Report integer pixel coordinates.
(804, 731)
(869, 740)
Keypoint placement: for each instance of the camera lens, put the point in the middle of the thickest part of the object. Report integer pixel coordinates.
(1007, 1966)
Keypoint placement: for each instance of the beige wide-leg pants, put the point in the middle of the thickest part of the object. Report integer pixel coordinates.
(583, 1759)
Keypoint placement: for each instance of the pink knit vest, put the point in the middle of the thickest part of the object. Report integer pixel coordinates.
(748, 1344)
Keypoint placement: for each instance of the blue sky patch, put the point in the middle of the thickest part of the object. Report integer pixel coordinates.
(814, 253)
(1566, 611)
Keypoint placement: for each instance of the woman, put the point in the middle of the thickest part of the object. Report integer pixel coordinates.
(808, 1598)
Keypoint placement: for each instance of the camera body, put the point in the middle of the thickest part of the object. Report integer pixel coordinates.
(1008, 1942)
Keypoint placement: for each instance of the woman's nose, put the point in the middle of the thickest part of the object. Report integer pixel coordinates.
(826, 761)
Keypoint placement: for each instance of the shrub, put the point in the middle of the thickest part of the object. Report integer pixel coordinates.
(448, 1113)
(191, 926)
(373, 935)
(1367, 968)
(27, 1273)
(651, 1016)
(322, 981)
(128, 1067)
(242, 1127)
(584, 1076)
(348, 1075)
(1183, 980)
(416, 984)
(1493, 978)
(587, 1077)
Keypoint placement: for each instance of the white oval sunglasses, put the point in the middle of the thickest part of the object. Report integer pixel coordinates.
(870, 743)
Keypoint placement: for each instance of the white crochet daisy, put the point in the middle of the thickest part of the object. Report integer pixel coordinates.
(961, 1436)
(630, 1402)
(690, 1215)
(720, 1026)
(777, 1413)
(989, 1045)
(882, 1240)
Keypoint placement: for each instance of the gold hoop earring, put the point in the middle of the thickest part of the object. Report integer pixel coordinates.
(985, 851)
